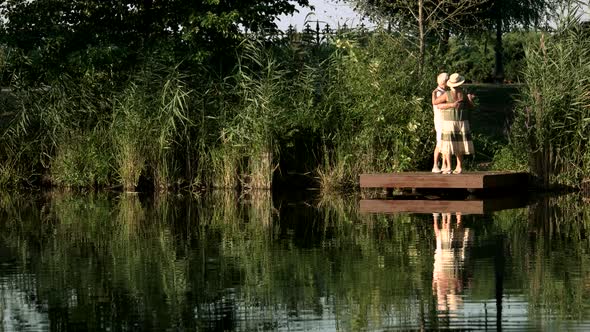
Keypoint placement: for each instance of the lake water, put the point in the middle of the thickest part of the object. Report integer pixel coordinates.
(221, 262)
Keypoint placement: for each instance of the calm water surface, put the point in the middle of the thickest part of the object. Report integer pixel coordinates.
(109, 262)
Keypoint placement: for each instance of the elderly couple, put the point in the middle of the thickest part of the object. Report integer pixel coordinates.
(453, 135)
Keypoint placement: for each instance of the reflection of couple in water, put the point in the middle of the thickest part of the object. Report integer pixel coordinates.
(449, 258)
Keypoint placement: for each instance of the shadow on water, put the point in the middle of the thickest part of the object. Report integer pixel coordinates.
(227, 262)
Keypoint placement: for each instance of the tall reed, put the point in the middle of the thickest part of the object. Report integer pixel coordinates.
(551, 124)
(260, 84)
(376, 103)
(172, 122)
(330, 111)
(128, 134)
(64, 125)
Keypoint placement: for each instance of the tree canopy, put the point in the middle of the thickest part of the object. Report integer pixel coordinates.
(503, 15)
(419, 18)
(58, 29)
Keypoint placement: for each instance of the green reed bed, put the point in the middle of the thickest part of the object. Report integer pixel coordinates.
(376, 108)
(328, 111)
(551, 129)
(313, 113)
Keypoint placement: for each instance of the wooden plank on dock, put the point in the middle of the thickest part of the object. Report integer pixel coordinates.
(468, 180)
(482, 206)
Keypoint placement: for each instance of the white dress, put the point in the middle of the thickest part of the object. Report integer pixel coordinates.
(438, 118)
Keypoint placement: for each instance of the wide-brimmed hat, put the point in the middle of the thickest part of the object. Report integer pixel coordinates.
(455, 80)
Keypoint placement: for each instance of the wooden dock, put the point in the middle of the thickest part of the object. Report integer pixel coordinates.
(483, 206)
(467, 180)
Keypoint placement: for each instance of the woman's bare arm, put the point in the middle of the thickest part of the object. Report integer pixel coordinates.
(439, 100)
(442, 103)
(433, 97)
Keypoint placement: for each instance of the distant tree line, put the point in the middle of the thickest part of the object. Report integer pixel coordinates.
(422, 19)
(49, 37)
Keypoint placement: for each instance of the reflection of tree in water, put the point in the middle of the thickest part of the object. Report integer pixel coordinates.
(452, 240)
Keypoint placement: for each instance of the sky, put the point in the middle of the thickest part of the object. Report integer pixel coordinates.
(334, 12)
(326, 11)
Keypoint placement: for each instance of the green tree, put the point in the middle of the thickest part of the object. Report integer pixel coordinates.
(504, 15)
(420, 17)
(441, 17)
(54, 32)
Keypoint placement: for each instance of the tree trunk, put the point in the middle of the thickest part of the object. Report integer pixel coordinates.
(147, 20)
(444, 42)
(421, 35)
(499, 67)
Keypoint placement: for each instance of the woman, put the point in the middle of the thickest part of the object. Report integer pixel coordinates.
(441, 88)
(456, 133)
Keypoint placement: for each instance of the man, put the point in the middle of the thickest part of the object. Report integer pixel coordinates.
(441, 81)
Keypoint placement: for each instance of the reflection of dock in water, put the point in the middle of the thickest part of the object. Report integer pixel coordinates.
(476, 206)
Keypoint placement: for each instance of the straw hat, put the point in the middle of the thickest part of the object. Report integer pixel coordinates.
(455, 80)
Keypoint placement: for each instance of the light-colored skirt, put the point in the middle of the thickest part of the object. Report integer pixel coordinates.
(456, 138)
(438, 120)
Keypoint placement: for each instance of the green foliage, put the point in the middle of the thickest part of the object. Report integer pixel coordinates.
(513, 53)
(51, 37)
(527, 13)
(509, 159)
(552, 117)
(82, 160)
(327, 112)
(428, 19)
(349, 105)
(377, 106)
(175, 93)
(473, 55)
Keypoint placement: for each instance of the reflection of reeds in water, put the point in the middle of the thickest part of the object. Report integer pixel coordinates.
(559, 279)
(379, 252)
(245, 225)
(550, 250)
(561, 215)
(244, 254)
(159, 250)
(16, 208)
(131, 213)
(94, 251)
(260, 207)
